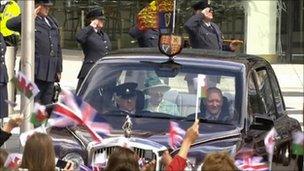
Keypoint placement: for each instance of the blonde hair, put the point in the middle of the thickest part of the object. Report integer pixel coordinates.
(219, 161)
(39, 153)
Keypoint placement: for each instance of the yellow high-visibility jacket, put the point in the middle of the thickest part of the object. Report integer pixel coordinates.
(11, 10)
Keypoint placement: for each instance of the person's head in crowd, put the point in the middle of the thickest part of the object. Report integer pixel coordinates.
(38, 153)
(205, 9)
(95, 18)
(43, 7)
(218, 161)
(155, 89)
(122, 159)
(214, 101)
(3, 156)
(126, 97)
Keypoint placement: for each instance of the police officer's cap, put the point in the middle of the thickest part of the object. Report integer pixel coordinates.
(96, 14)
(200, 5)
(44, 2)
(126, 90)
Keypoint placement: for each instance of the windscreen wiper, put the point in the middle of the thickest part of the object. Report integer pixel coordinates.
(204, 120)
(158, 115)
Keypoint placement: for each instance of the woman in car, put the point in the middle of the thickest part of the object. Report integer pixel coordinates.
(155, 89)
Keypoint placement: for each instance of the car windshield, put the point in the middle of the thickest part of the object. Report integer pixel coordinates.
(139, 89)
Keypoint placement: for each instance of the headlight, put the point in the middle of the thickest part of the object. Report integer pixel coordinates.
(75, 158)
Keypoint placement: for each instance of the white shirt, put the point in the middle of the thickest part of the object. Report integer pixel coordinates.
(207, 24)
(47, 21)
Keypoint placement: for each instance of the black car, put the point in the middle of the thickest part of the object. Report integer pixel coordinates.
(251, 100)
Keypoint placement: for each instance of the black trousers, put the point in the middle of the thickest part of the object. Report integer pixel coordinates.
(45, 96)
(3, 104)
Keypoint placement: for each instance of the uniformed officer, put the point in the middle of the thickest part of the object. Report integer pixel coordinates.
(145, 38)
(126, 95)
(8, 10)
(48, 56)
(203, 33)
(94, 41)
(3, 80)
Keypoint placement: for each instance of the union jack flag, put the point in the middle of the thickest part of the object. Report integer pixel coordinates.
(176, 135)
(251, 163)
(82, 113)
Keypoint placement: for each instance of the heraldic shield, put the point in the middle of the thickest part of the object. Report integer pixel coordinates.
(170, 45)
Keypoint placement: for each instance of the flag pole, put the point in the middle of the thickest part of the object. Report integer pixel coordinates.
(174, 14)
(270, 161)
(197, 99)
(27, 57)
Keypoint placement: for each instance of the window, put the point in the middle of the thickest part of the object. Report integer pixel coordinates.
(174, 96)
(255, 105)
(277, 93)
(264, 88)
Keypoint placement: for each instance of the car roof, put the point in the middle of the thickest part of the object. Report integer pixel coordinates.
(189, 54)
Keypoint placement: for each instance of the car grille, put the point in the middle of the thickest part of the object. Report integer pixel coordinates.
(142, 153)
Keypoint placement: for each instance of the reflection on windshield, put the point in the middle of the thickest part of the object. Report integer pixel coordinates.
(137, 89)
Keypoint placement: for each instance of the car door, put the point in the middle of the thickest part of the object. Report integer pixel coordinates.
(283, 123)
(265, 100)
(260, 105)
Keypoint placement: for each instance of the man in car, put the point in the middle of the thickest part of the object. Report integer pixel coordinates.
(125, 98)
(214, 105)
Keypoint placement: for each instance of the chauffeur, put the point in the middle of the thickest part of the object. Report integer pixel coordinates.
(3, 80)
(126, 95)
(48, 57)
(94, 41)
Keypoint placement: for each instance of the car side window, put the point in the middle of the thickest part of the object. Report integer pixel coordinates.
(255, 105)
(265, 91)
(277, 93)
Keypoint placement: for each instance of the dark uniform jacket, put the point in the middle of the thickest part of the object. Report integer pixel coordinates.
(95, 45)
(201, 36)
(3, 70)
(3, 80)
(48, 56)
(148, 38)
(4, 136)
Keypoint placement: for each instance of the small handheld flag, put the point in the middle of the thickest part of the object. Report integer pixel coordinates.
(298, 143)
(39, 115)
(24, 85)
(269, 142)
(176, 135)
(13, 161)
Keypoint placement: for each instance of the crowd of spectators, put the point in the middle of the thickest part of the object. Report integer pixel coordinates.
(122, 159)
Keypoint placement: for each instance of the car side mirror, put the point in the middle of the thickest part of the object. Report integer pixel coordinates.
(261, 122)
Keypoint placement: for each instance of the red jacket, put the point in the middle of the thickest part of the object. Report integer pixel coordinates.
(177, 164)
